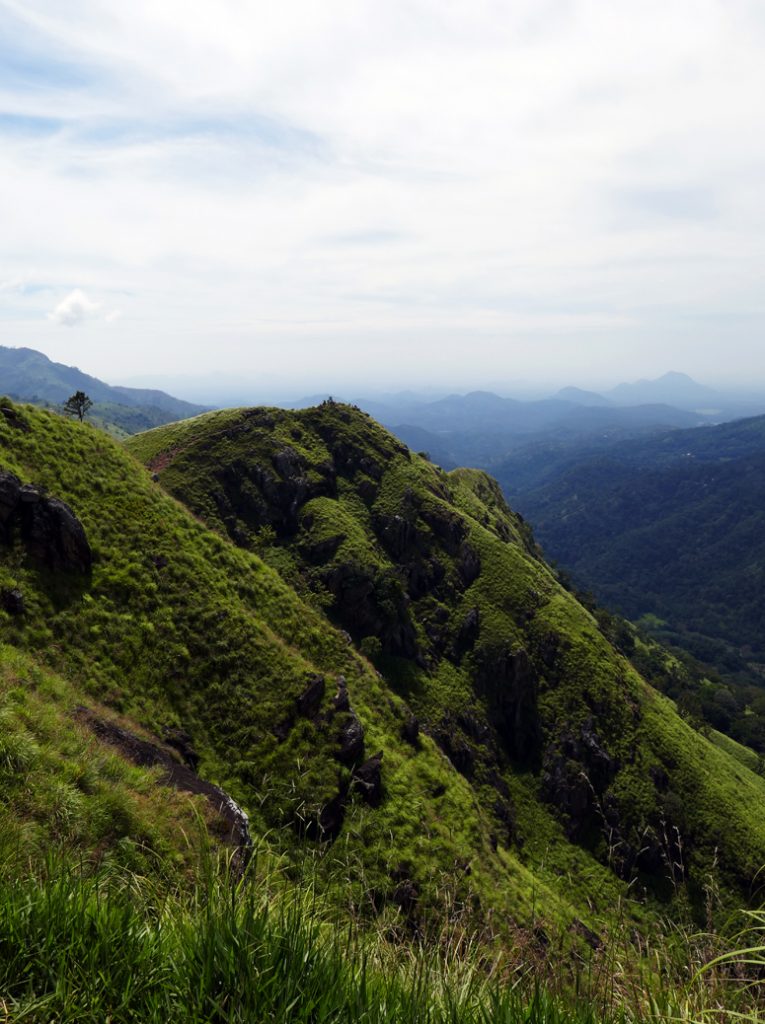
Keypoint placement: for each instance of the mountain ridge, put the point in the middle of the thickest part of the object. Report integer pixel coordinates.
(348, 515)
(29, 375)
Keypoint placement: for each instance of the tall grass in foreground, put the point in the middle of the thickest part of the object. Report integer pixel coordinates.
(111, 947)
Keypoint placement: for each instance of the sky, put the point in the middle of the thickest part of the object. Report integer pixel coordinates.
(335, 194)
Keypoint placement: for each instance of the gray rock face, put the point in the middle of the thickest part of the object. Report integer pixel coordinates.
(508, 680)
(12, 601)
(351, 740)
(367, 780)
(54, 535)
(575, 775)
(309, 701)
(10, 487)
(49, 529)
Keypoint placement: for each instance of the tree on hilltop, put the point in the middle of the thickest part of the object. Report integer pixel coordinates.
(77, 405)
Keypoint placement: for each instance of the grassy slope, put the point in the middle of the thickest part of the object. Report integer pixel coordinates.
(321, 492)
(118, 420)
(62, 789)
(213, 640)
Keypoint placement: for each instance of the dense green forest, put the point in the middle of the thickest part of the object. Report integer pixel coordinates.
(669, 532)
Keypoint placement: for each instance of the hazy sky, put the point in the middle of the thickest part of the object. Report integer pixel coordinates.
(388, 193)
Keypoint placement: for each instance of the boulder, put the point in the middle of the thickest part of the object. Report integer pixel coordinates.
(309, 701)
(368, 780)
(410, 730)
(12, 601)
(351, 740)
(52, 533)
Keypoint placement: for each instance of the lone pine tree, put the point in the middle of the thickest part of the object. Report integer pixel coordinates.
(77, 405)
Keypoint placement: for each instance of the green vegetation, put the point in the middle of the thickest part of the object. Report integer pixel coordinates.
(496, 791)
(32, 377)
(670, 531)
(114, 946)
(565, 750)
(78, 405)
(62, 789)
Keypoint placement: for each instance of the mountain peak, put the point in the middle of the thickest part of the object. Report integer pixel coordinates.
(672, 388)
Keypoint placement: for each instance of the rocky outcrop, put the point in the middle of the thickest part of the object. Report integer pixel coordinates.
(148, 755)
(337, 720)
(468, 564)
(351, 747)
(367, 780)
(327, 826)
(12, 601)
(410, 730)
(447, 527)
(452, 741)
(50, 531)
(398, 534)
(53, 534)
(370, 602)
(467, 634)
(508, 681)
(577, 770)
(251, 495)
(14, 418)
(10, 488)
(306, 705)
(309, 701)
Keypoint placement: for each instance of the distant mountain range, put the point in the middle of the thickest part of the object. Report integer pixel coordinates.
(33, 377)
(675, 389)
(480, 428)
(671, 527)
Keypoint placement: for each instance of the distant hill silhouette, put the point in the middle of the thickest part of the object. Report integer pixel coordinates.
(671, 526)
(33, 377)
(581, 397)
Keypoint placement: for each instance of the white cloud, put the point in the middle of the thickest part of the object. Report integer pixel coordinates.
(522, 172)
(72, 310)
(112, 316)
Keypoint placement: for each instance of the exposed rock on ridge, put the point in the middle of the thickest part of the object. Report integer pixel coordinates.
(50, 531)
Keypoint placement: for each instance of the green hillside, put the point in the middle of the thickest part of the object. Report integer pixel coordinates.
(581, 777)
(30, 376)
(670, 531)
(65, 789)
(489, 770)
